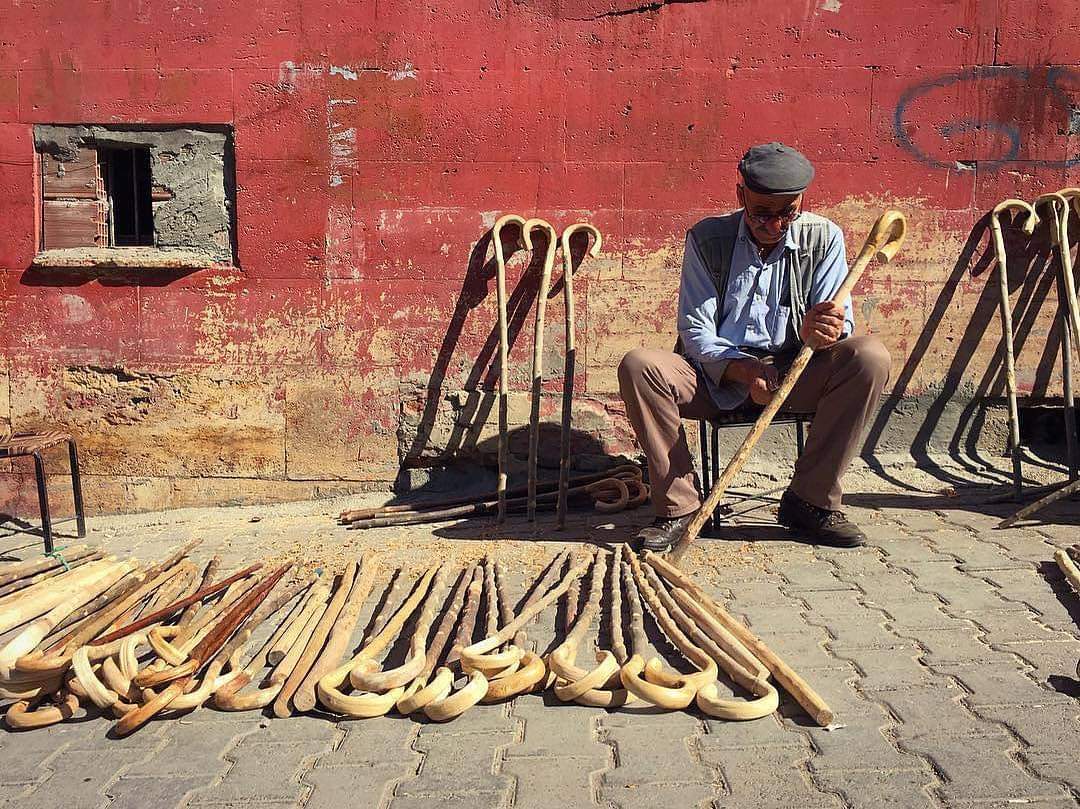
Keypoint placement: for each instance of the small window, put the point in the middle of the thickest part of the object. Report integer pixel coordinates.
(127, 189)
(136, 196)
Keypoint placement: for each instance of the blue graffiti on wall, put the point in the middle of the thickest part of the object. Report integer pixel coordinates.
(1018, 92)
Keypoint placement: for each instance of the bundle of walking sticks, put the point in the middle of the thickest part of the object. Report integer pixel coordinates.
(611, 491)
(94, 633)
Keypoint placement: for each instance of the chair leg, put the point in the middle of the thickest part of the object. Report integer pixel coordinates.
(800, 437)
(703, 440)
(43, 502)
(714, 520)
(76, 488)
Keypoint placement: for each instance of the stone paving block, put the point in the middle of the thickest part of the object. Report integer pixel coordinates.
(802, 650)
(192, 748)
(985, 557)
(980, 771)
(653, 749)
(837, 686)
(1000, 686)
(912, 549)
(917, 616)
(769, 731)
(263, 772)
(453, 764)
(1010, 627)
(543, 782)
(78, 779)
(851, 564)
(1061, 766)
(1048, 727)
(650, 796)
(770, 778)
(819, 577)
(860, 745)
(478, 719)
(1024, 545)
(934, 710)
(761, 590)
(895, 586)
(295, 728)
(957, 646)
(557, 730)
(472, 800)
(24, 755)
(917, 520)
(1052, 659)
(888, 669)
(137, 793)
(861, 789)
(371, 741)
(335, 787)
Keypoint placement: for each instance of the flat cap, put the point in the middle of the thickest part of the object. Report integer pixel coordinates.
(773, 168)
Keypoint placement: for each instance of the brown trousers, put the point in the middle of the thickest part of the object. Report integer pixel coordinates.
(841, 386)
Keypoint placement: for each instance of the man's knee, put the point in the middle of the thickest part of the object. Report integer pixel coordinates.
(870, 358)
(634, 365)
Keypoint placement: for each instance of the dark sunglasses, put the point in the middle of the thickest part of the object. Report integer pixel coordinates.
(783, 218)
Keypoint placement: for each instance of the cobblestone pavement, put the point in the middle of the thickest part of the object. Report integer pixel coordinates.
(947, 649)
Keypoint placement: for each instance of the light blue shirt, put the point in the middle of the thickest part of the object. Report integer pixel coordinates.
(755, 311)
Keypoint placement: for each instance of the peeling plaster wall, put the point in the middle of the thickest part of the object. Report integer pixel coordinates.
(373, 151)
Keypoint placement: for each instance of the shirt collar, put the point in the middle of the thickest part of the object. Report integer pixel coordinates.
(790, 241)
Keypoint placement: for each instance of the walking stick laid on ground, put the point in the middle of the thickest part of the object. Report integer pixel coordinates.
(538, 350)
(504, 354)
(785, 675)
(1007, 327)
(884, 241)
(570, 365)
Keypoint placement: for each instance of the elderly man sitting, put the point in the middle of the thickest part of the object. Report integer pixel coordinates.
(756, 285)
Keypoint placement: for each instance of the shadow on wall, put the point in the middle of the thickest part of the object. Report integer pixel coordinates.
(476, 416)
(1032, 272)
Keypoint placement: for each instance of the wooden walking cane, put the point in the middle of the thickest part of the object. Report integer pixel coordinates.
(504, 355)
(206, 649)
(1060, 203)
(1030, 222)
(409, 700)
(795, 685)
(573, 682)
(538, 351)
(570, 365)
(884, 241)
(531, 672)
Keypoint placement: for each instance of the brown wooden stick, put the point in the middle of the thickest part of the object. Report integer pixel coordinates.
(206, 649)
(19, 570)
(283, 705)
(338, 641)
(1040, 504)
(298, 619)
(168, 610)
(884, 240)
(570, 360)
(51, 572)
(814, 705)
(622, 471)
(538, 352)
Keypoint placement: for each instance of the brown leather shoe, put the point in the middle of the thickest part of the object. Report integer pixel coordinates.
(820, 525)
(662, 534)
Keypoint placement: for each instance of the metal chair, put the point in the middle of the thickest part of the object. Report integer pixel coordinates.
(33, 444)
(743, 417)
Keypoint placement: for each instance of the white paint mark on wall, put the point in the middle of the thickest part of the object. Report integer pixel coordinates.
(76, 309)
(831, 5)
(407, 72)
(342, 140)
(345, 71)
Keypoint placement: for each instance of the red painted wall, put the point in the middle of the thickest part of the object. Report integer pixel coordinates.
(377, 143)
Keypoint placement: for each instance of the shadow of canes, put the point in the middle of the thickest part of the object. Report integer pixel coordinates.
(483, 373)
(1032, 273)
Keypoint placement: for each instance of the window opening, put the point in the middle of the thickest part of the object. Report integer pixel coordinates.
(129, 193)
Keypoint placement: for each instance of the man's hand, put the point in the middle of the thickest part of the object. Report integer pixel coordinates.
(823, 325)
(763, 379)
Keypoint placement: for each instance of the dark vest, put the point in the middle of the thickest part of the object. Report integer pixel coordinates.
(715, 241)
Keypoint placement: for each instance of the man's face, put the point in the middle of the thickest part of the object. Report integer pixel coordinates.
(768, 215)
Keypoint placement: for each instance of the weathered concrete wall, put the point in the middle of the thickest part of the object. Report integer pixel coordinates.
(374, 150)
